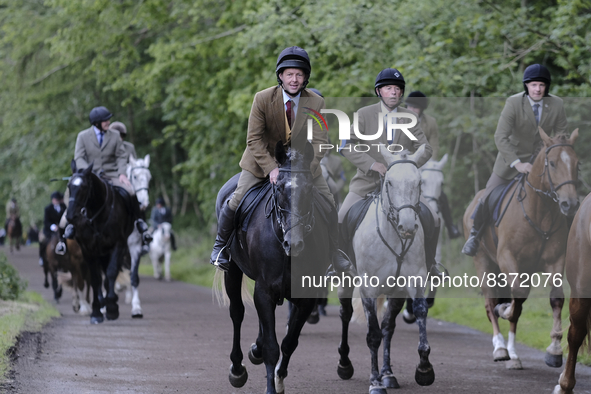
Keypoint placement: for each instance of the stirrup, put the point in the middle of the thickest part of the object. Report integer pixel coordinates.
(60, 248)
(222, 266)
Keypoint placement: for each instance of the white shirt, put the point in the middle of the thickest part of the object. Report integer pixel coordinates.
(295, 103)
(57, 208)
(532, 103)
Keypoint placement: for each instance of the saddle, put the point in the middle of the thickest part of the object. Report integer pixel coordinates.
(494, 201)
(357, 213)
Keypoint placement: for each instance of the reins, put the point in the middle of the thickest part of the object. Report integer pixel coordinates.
(393, 218)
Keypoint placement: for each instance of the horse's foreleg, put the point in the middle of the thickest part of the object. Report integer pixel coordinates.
(512, 313)
(57, 288)
(265, 305)
(255, 354)
(388, 326)
(374, 339)
(580, 312)
(156, 267)
(233, 285)
(167, 266)
(345, 368)
(136, 307)
(554, 351)
(297, 319)
(97, 296)
(110, 278)
(424, 374)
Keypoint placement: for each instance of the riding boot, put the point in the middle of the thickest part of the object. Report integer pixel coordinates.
(339, 259)
(452, 230)
(172, 241)
(219, 254)
(140, 224)
(431, 251)
(60, 247)
(471, 246)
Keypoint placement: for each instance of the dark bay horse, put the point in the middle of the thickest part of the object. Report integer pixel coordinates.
(578, 274)
(103, 224)
(14, 233)
(287, 238)
(531, 239)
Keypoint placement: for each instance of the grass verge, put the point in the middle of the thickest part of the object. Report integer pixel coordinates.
(29, 313)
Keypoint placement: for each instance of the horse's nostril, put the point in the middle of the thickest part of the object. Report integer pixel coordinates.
(564, 205)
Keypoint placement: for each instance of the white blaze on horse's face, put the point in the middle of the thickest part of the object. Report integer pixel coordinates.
(402, 190)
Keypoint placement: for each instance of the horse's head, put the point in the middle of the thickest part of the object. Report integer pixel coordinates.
(165, 229)
(559, 175)
(139, 175)
(293, 196)
(401, 190)
(432, 176)
(80, 187)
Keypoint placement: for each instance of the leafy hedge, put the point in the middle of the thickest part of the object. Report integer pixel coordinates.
(11, 285)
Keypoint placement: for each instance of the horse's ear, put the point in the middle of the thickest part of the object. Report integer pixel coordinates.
(388, 156)
(88, 169)
(280, 154)
(132, 161)
(417, 155)
(308, 153)
(573, 137)
(443, 161)
(73, 166)
(547, 140)
(147, 160)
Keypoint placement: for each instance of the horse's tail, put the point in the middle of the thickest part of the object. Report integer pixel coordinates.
(219, 290)
(359, 312)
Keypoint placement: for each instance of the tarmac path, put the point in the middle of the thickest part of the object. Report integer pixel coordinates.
(182, 345)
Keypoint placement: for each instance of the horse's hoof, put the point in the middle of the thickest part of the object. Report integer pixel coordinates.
(76, 308)
(390, 382)
(345, 372)
(501, 354)
(553, 360)
(513, 364)
(559, 390)
(96, 319)
(377, 390)
(314, 318)
(46, 285)
(238, 380)
(112, 312)
(254, 359)
(425, 378)
(137, 316)
(408, 318)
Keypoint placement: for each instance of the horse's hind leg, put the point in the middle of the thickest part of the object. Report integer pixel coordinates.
(57, 288)
(233, 283)
(580, 313)
(345, 368)
(424, 375)
(255, 354)
(96, 316)
(297, 319)
(110, 278)
(388, 326)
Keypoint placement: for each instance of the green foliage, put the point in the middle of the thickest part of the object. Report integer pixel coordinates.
(182, 76)
(11, 285)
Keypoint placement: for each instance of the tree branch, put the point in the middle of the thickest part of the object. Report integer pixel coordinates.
(53, 71)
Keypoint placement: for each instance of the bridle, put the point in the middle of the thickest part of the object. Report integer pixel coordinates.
(307, 220)
(131, 170)
(84, 210)
(393, 214)
(553, 189)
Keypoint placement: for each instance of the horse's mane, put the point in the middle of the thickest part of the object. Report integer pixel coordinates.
(558, 139)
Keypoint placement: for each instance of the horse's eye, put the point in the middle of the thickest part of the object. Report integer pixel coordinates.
(552, 164)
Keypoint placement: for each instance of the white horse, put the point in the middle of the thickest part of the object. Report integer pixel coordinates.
(139, 175)
(389, 246)
(160, 251)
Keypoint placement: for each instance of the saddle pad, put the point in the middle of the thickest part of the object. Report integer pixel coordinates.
(495, 200)
(250, 201)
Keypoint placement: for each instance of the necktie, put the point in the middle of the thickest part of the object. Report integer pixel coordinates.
(537, 113)
(100, 138)
(288, 112)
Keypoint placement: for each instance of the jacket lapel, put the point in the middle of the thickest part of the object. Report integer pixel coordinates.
(277, 113)
(529, 112)
(93, 139)
(546, 112)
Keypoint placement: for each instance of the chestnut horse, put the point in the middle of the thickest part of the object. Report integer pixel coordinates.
(531, 238)
(578, 274)
(14, 232)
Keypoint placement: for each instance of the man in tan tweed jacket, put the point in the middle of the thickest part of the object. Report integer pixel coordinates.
(276, 116)
(517, 137)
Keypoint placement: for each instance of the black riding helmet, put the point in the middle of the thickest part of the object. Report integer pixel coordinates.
(537, 72)
(98, 115)
(57, 195)
(293, 57)
(418, 100)
(389, 76)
